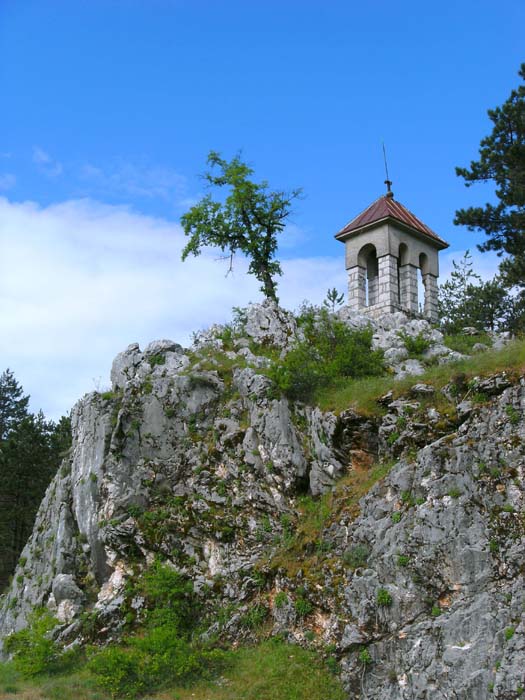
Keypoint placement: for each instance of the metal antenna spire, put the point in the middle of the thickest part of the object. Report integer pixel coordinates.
(388, 181)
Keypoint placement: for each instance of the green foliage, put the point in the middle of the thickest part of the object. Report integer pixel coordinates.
(302, 606)
(403, 560)
(154, 660)
(170, 597)
(502, 162)
(464, 343)
(31, 449)
(254, 616)
(454, 492)
(416, 346)
(280, 599)
(363, 394)
(34, 651)
(435, 611)
(396, 517)
(9, 679)
(330, 351)
(163, 651)
(383, 597)
(365, 657)
(157, 359)
(392, 438)
(272, 670)
(248, 221)
(509, 633)
(356, 556)
(513, 414)
(333, 299)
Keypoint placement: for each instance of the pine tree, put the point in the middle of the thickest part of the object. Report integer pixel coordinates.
(13, 403)
(31, 449)
(502, 162)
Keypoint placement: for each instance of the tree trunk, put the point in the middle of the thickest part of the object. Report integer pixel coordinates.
(269, 287)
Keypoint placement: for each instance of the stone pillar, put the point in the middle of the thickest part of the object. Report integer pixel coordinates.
(372, 275)
(431, 297)
(357, 288)
(408, 287)
(387, 297)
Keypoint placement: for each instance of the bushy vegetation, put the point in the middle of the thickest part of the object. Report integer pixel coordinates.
(31, 449)
(33, 649)
(272, 670)
(416, 346)
(362, 394)
(164, 651)
(329, 351)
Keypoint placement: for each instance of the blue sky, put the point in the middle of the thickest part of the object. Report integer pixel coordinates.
(110, 108)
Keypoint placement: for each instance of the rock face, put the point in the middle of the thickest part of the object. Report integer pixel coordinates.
(190, 457)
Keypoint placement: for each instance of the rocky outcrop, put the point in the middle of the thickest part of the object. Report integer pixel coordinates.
(191, 457)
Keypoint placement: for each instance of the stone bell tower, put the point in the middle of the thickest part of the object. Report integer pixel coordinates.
(386, 246)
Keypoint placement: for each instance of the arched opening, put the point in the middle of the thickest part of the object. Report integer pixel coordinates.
(402, 259)
(421, 279)
(367, 259)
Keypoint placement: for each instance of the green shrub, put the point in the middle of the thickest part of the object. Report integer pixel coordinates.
(33, 650)
(403, 560)
(435, 611)
(416, 346)
(254, 616)
(464, 343)
(383, 598)
(356, 556)
(330, 350)
(396, 516)
(513, 414)
(162, 652)
(509, 633)
(303, 607)
(170, 597)
(157, 359)
(120, 671)
(280, 599)
(364, 657)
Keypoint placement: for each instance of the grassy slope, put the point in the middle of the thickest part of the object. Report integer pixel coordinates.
(269, 671)
(362, 394)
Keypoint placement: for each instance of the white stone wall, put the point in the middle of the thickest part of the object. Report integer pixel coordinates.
(357, 288)
(431, 297)
(408, 286)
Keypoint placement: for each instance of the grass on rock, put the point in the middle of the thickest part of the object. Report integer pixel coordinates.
(271, 670)
(362, 394)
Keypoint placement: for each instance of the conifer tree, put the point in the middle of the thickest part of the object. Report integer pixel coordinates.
(502, 163)
(31, 449)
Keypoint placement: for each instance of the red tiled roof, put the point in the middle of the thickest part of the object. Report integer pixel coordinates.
(386, 207)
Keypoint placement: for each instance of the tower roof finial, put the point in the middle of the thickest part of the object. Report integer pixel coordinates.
(388, 181)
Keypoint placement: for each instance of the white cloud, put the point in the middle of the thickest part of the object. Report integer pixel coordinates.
(7, 181)
(81, 280)
(46, 164)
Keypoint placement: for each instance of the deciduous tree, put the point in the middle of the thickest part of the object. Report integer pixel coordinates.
(248, 221)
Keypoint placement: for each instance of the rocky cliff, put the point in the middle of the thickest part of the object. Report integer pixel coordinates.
(395, 541)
